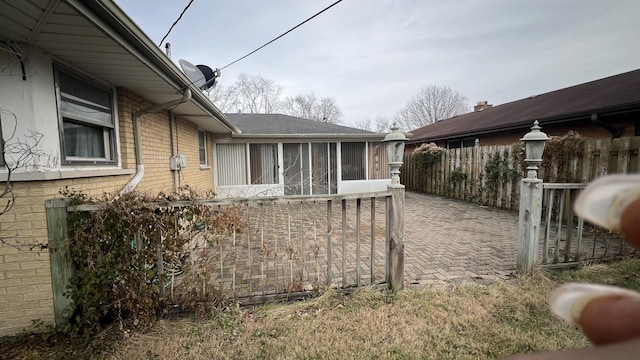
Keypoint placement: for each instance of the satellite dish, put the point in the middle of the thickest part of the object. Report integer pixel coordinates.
(201, 76)
(193, 73)
(209, 75)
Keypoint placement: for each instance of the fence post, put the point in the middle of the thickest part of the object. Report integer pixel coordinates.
(530, 201)
(395, 151)
(396, 241)
(59, 256)
(529, 223)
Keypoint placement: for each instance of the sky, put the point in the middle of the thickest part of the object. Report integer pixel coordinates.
(373, 56)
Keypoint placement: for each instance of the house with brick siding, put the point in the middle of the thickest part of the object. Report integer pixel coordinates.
(604, 108)
(110, 113)
(105, 110)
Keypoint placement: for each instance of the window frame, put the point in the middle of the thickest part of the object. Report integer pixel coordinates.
(351, 172)
(109, 130)
(241, 167)
(256, 149)
(202, 149)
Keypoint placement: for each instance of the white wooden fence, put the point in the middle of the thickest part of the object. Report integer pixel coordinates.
(288, 247)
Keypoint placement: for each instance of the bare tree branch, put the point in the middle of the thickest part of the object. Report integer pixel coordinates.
(308, 106)
(380, 124)
(363, 124)
(433, 103)
(249, 94)
(15, 153)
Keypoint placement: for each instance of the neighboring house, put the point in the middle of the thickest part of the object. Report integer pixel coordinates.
(112, 110)
(604, 108)
(285, 155)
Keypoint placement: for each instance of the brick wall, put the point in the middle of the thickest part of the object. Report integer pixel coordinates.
(197, 176)
(25, 277)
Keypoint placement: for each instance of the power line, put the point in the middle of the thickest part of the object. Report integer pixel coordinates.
(175, 22)
(285, 33)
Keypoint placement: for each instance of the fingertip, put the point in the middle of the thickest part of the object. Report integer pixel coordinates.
(606, 314)
(630, 223)
(568, 301)
(611, 319)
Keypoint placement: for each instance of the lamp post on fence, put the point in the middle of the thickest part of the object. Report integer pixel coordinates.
(530, 200)
(394, 274)
(395, 151)
(534, 142)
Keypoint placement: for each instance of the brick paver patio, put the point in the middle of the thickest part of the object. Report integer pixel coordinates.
(453, 241)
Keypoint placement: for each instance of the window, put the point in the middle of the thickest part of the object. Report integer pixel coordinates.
(231, 166)
(461, 143)
(353, 161)
(453, 144)
(202, 147)
(87, 119)
(264, 163)
(378, 164)
(296, 172)
(469, 142)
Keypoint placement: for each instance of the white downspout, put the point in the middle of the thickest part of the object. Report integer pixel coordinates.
(137, 138)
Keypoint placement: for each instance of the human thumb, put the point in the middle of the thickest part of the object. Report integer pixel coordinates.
(606, 314)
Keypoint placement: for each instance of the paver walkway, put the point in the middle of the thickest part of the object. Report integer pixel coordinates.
(451, 240)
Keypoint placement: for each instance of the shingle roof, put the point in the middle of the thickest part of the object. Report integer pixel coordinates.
(614, 93)
(278, 124)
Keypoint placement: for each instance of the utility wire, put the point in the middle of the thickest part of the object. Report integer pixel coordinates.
(175, 22)
(285, 33)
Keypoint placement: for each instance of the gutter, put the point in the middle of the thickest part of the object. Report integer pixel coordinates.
(124, 31)
(309, 136)
(137, 137)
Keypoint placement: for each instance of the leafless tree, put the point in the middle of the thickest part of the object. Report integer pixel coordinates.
(15, 153)
(363, 124)
(225, 97)
(256, 94)
(433, 103)
(379, 125)
(309, 106)
(249, 94)
(328, 111)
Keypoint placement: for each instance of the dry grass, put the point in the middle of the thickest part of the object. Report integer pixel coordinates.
(463, 322)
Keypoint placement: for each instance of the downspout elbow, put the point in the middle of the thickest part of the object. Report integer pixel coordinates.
(616, 132)
(186, 96)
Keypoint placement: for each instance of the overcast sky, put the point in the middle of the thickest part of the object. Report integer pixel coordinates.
(373, 56)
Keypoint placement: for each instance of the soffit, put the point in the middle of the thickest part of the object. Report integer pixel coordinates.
(78, 38)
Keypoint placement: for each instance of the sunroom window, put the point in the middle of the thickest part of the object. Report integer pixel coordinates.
(87, 119)
(264, 163)
(231, 164)
(353, 161)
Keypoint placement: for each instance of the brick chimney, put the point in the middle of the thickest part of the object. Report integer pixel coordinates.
(481, 106)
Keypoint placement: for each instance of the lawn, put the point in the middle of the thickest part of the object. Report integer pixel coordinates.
(464, 321)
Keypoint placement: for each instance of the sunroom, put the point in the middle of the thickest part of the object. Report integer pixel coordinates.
(278, 155)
